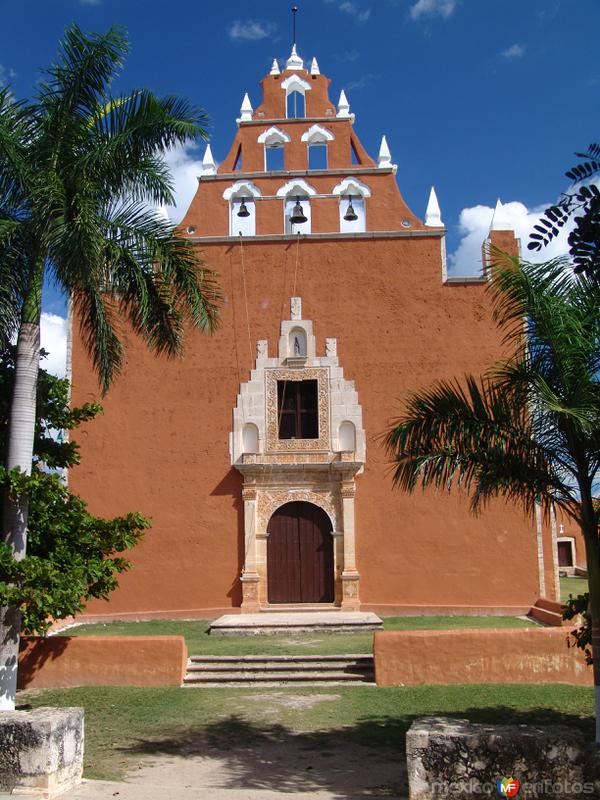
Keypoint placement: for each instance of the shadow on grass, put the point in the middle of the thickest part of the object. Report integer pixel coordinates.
(364, 759)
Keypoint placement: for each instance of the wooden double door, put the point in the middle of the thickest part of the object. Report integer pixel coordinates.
(300, 555)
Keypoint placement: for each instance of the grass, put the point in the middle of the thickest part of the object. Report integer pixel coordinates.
(199, 642)
(572, 586)
(124, 724)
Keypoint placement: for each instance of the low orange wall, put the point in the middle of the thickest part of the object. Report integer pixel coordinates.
(485, 655)
(63, 661)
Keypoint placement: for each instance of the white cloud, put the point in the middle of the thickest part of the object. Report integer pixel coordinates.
(362, 82)
(353, 9)
(250, 30)
(185, 165)
(512, 52)
(474, 226)
(54, 340)
(433, 8)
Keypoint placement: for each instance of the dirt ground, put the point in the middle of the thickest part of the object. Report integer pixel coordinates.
(266, 768)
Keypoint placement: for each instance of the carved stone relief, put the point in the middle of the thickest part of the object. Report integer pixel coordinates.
(274, 443)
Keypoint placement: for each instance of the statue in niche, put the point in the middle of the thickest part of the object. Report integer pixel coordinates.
(331, 348)
(261, 348)
(296, 308)
(297, 348)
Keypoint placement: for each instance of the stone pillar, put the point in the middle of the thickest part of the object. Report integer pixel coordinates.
(41, 751)
(338, 565)
(250, 577)
(350, 576)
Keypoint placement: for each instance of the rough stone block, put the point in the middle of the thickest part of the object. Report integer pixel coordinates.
(41, 751)
(448, 758)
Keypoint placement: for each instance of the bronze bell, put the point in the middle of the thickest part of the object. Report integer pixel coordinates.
(243, 212)
(297, 213)
(350, 214)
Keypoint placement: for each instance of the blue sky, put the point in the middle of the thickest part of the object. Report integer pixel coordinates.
(481, 98)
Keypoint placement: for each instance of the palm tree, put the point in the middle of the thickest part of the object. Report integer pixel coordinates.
(530, 429)
(81, 172)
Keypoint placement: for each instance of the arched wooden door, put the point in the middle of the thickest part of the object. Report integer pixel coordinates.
(300, 555)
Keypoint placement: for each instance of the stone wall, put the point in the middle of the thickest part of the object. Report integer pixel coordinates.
(63, 661)
(41, 751)
(448, 758)
(478, 655)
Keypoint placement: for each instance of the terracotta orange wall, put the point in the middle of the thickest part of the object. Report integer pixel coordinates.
(385, 210)
(161, 446)
(572, 529)
(502, 655)
(62, 661)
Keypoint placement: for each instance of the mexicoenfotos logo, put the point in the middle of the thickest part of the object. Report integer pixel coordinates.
(507, 787)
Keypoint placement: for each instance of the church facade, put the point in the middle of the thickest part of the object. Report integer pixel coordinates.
(259, 455)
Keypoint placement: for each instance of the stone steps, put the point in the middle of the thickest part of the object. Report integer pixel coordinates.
(278, 670)
(546, 611)
(306, 621)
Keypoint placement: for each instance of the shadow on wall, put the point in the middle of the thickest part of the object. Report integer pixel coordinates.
(39, 651)
(232, 485)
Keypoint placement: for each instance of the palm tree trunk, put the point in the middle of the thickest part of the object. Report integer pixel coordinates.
(20, 454)
(589, 528)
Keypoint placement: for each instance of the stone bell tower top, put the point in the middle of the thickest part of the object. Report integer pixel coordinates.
(297, 166)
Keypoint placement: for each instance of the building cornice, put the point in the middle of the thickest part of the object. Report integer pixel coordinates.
(289, 121)
(296, 173)
(288, 237)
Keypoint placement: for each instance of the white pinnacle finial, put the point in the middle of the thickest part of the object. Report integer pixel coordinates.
(246, 109)
(343, 106)
(294, 61)
(385, 157)
(275, 68)
(433, 215)
(208, 163)
(500, 220)
(314, 67)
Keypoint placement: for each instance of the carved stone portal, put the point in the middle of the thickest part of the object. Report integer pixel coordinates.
(320, 470)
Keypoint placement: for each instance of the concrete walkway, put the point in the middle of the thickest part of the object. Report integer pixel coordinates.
(266, 770)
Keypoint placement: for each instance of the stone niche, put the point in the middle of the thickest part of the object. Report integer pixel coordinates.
(41, 751)
(320, 470)
(454, 758)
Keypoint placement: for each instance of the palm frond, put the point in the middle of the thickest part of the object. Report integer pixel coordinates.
(97, 314)
(472, 434)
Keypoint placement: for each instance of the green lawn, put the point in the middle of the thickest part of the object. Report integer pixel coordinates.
(572, 586)
(124, 724)
(199, 642)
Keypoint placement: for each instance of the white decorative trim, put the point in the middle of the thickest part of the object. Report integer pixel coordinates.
(317, 134)
(314, 471)
(294, 83)
(294, 61)
(384, 159)
(352, 185)
(297, 186)
(275, 68)
(433, 215)
(500, 220)
(245, 110)
(314, 67)
(208, 163)
(343, 107)
(273, 135)
(241, 189)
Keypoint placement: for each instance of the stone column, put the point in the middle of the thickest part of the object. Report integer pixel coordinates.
(350, 576)
(250, 577)
(338, 564)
